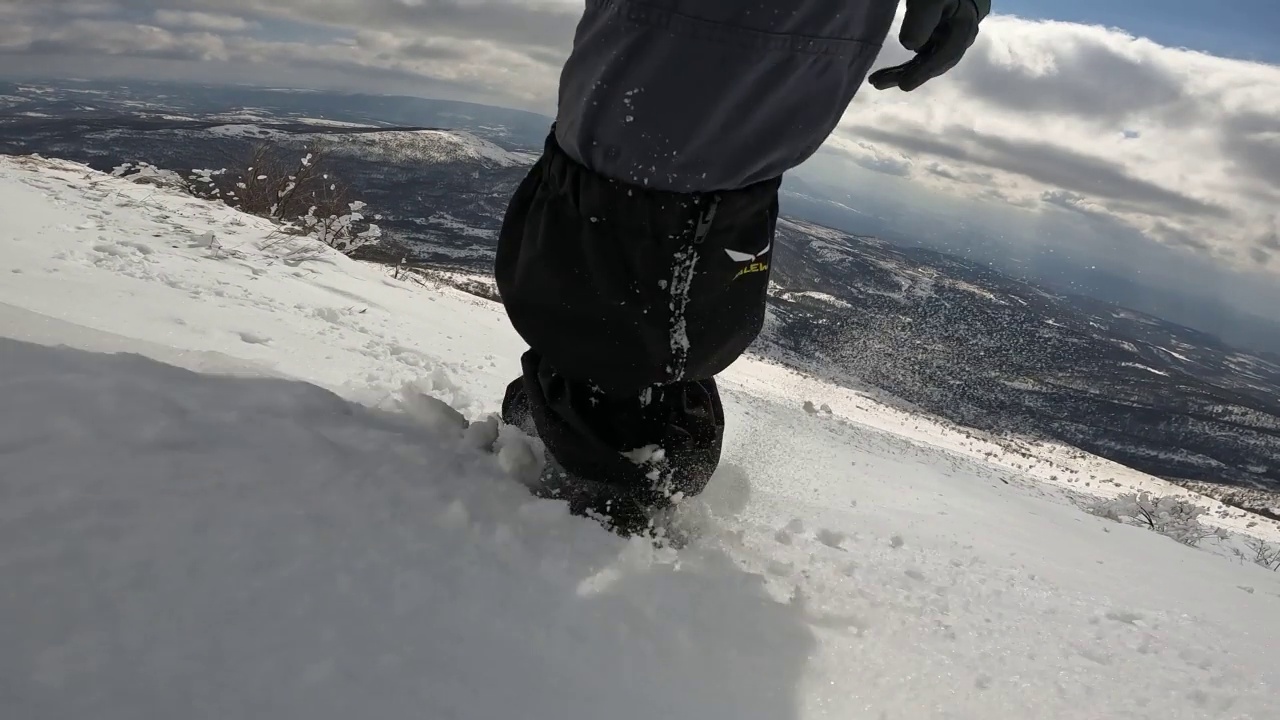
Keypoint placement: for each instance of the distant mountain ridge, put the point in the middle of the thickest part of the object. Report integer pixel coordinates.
(143, 100)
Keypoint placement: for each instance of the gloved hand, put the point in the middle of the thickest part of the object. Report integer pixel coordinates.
(939, 32)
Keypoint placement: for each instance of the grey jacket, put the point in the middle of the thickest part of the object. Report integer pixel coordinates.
(705, 95)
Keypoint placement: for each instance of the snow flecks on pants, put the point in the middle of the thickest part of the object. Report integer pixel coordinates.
(686, 263)
(683, 271)
(658, 470)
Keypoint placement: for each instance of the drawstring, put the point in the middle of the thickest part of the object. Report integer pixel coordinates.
(707, 217)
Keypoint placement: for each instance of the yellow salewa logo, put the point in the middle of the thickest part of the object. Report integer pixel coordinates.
(752, 268)
(754, 264)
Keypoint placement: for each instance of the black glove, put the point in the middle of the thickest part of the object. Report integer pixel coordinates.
(939, 32)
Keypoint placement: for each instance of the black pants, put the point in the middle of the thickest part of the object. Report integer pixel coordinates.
(631, 301)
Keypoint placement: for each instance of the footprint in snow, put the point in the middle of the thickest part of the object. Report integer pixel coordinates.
(122, 248)
(109, 249)
(831, 538)
(1124, 616)
(254, 338)
(433, 413)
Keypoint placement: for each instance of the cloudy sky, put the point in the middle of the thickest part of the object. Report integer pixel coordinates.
(1149, 119)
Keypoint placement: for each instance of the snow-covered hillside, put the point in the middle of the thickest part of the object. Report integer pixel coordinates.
(422, 146)
(430, 146)
(233, 484)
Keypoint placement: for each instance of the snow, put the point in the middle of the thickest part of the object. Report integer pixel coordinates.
(325, 122)
(247, 115)
(683, 273)
(976, 290)
(816, 231)
(243, 130)
(428, 145)
(1148, 368)
(1179, 356)
(480, 284)
(445, 220)
(812, 295)
(234, 486)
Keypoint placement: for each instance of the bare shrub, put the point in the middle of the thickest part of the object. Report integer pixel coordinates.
(1169, 516)
(147, 174)
(1264, 553)
(387, 251)
(296, 190)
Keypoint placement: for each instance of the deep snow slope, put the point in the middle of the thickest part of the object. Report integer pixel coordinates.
(232, 486)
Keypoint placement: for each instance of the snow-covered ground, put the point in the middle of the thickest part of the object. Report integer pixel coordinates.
(433, 146)
(230, 487)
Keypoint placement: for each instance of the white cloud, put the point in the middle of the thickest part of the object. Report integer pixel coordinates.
(88, 8)
(886, 160)
(1177, 144)
(110, 37)
(202, 21)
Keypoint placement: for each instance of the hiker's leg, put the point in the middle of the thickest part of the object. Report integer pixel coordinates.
(631, 301)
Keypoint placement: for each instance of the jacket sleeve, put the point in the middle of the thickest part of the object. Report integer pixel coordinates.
(984, 8)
